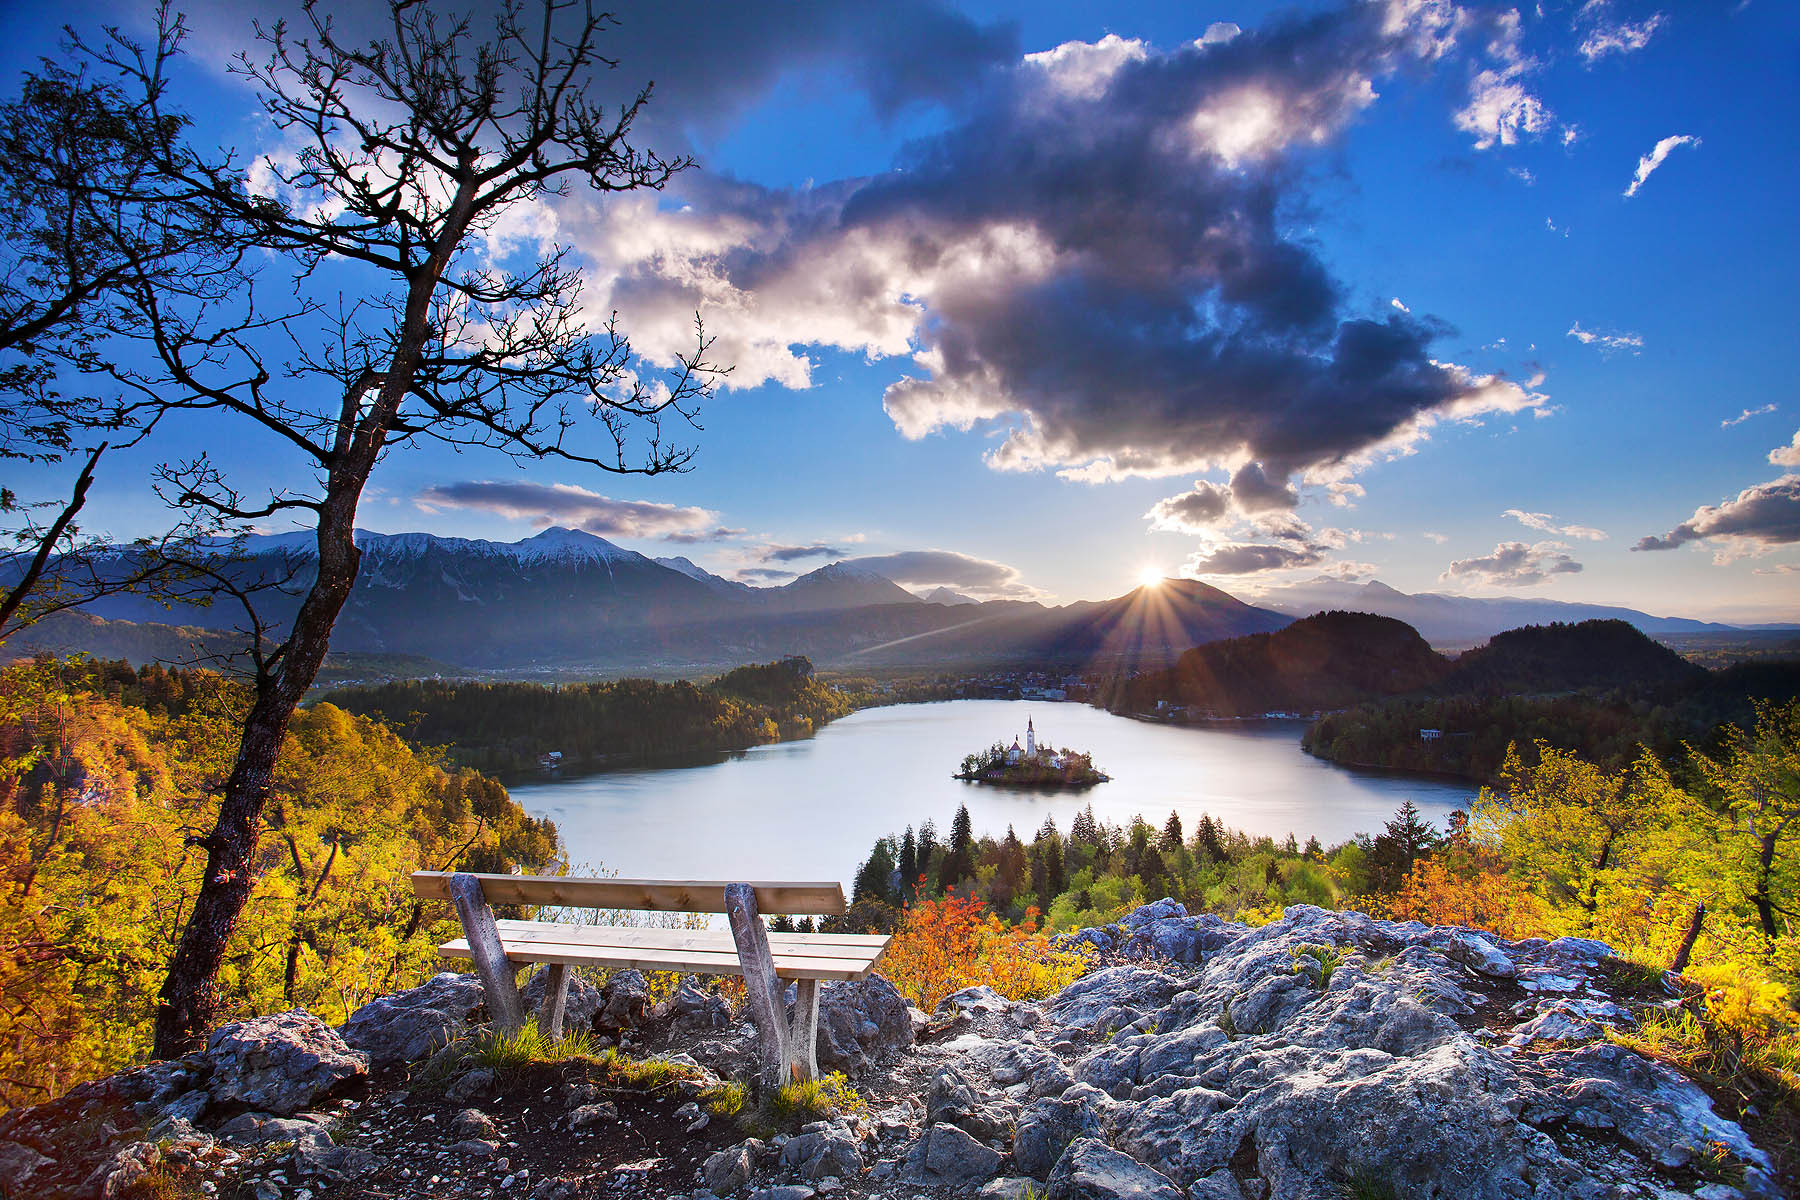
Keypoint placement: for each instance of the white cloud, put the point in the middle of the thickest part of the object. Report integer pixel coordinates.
(1649, 162)
(1609, 343)
(1605, 37)
(1513, 564)
(1788, 455)
(1545, 523)
(1746, 415)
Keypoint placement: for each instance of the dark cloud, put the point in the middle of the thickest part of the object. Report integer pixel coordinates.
(1514, 564)
(718, 533)
(790, 553)
(1247, 558)
(764, 573)
(947, 568)
(1095, 258)
(1191, 512)
(1765, 515)
(711, 62)
(552, 504)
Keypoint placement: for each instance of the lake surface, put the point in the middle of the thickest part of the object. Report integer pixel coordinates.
(811, 809)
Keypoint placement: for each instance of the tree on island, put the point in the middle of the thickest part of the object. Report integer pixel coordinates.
(411, 152)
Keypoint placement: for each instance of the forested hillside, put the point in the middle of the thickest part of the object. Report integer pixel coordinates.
(1324, 661)
(109, 773)
(509, 726)
(1614, 693)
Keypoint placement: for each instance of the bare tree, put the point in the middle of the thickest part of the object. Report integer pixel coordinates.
(404, 155)
(88, 229)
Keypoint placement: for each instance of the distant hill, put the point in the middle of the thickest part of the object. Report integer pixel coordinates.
(1453, 622)
(1326, 661)
(945, 595)
(1563, 658)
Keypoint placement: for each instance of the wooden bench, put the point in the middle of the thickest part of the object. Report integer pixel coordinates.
(765, 960)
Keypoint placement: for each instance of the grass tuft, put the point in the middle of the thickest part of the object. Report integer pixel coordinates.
(1320, 958)
(726, 1099)
(1364, 1183)
(518, 1050)
(810, 1099)
(641, 1074)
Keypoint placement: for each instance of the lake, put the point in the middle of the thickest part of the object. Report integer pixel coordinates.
(811, 809)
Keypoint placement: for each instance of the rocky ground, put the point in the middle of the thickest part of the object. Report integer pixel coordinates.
(1323, 1055)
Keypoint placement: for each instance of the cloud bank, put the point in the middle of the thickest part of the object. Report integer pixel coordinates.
(564, 504)
(1757, 519)
(1091, 262)
(979, 577)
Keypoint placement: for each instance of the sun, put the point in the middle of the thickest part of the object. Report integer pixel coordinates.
(1150, 577)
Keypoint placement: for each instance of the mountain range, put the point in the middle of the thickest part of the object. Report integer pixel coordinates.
(1456, 622)
(569, 602)
(566, 600)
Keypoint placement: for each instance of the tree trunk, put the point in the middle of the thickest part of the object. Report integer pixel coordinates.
(1765, 870)
(1688, 939)
(188, 999)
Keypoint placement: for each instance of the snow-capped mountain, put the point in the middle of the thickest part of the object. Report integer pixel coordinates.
(699, 574)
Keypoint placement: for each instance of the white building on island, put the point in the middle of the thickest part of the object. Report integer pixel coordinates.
(1017, 753)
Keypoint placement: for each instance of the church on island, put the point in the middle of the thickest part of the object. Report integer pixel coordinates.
(1016, 753)
(1030, 765)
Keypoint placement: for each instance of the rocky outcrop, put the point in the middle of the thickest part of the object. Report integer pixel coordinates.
(861, 1022)
(279, 1064)
(1329, 1046)
(416, 1023)
(1322, 1054)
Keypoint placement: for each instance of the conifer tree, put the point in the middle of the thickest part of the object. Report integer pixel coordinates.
(1171, 834)
(1206, 841)
(959, 858)
(872, 879)
(928, 850)
(909, 866)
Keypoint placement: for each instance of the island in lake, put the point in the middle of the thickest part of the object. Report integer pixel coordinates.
(1031, 765)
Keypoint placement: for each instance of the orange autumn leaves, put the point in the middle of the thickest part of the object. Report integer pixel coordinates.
(949, 944)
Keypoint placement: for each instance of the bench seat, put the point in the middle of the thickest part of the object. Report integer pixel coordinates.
(828, 956)
(770, 962)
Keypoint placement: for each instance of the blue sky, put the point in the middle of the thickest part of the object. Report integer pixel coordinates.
(1247, 291)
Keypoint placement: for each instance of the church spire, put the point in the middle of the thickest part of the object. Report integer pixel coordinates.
(1030, 737)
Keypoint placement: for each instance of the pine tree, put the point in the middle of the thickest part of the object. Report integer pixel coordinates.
(1084, 828)
(909, 866)
(928, 849)
(1171, 834)
(959, 858)
(872, 880)
(1404, 841)
(1010, 875)
(1314, 851)
(1206, 841)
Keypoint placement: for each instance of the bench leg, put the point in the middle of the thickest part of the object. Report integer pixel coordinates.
(803, 1031)
(506, 1012)
(556, 997)
(764, 991)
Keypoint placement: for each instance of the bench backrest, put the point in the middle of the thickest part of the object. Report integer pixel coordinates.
(668, 895)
